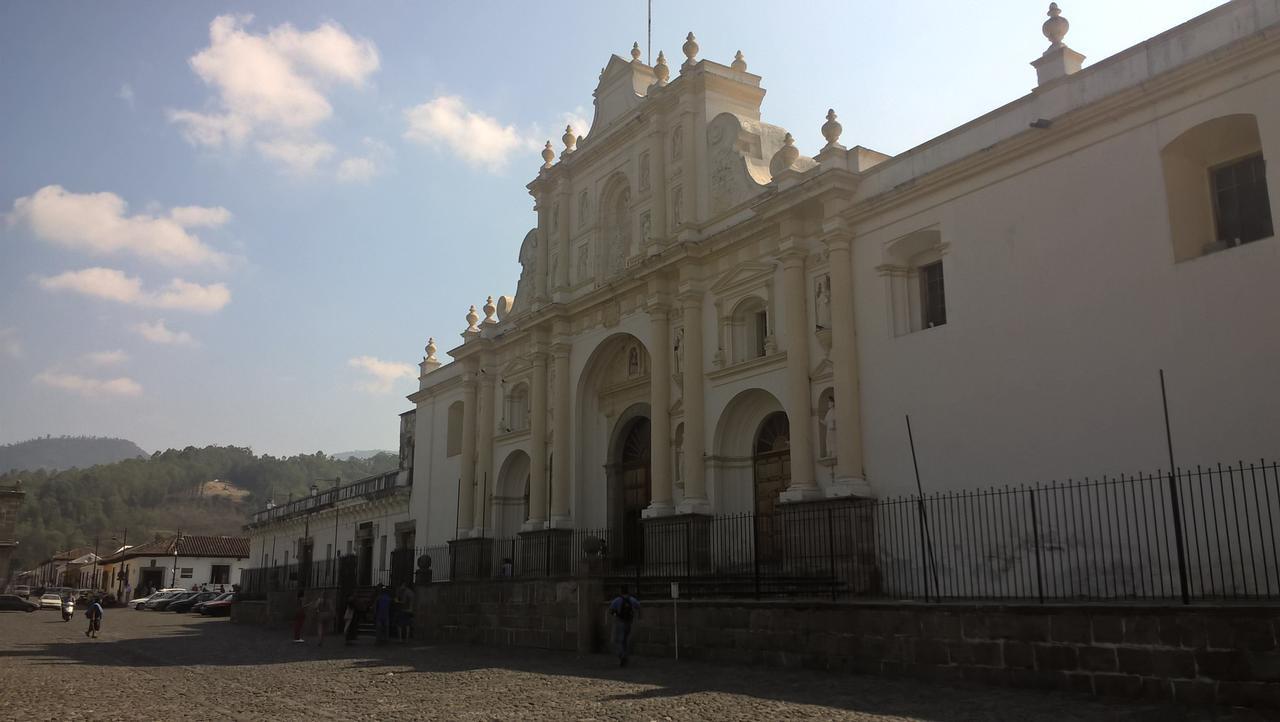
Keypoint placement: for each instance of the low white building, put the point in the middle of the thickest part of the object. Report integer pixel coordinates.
(179, 561)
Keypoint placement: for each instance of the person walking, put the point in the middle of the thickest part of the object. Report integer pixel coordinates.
(352, 618)
(94, 613)
(382, 614)
(299, 618)
(324, 617)
(404, 611)
(624, 609)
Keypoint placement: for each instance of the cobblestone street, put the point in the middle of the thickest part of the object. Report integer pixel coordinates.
(157, 665)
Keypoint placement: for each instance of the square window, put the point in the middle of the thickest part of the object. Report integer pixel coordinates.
(1241, 206)
(933, 301)
(187, 572)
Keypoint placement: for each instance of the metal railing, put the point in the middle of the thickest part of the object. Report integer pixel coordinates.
(364, 488)
(1202, 534)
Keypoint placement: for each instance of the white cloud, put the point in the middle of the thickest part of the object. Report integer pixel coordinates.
(91, 387)
(106, 358)
(446, 123)
(126, 94)
(363, 168)
(273, 86)
(10, 344)
(113, 285)
(97, 223)
(160, 333)
(382, 374)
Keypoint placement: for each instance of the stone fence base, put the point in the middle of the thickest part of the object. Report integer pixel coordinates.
(546, 614)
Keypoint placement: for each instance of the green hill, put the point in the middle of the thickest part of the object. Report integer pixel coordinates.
(66, 452)
(162, 493)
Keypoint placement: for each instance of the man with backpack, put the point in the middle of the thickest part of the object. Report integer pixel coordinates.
(624, 608)
(94, 613)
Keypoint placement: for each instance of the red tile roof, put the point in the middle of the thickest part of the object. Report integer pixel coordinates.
(190, 546)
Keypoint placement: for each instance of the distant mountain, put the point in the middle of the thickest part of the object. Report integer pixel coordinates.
(66, 452)
(360, 454)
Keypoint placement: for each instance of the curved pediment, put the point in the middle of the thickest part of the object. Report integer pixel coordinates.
(738, 153)
(622, 85)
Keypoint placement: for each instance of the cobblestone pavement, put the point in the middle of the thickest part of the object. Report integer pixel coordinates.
(158, 665)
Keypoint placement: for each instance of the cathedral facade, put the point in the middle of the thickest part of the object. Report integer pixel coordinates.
(709, 322)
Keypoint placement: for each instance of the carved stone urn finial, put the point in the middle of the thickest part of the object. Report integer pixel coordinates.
(739, 62)
(489, 310)
(431, 350)
(660, 70)
(690, 49)
(785, 157)
(635, 52)
(831, 129)
(472, 318)
(569, 139)
(1056, 27)
(548, 155)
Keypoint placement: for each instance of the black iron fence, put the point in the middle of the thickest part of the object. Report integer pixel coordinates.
(1202, 534)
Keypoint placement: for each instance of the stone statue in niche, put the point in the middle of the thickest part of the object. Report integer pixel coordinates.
(633, 362)
(620, 233)
(644, 171)
(555, 218)
(829, 430)
(677, 207)
(822, 303)
(584, 262)
(678, 349)
(646, 228)
(583, 209)
(677, 143)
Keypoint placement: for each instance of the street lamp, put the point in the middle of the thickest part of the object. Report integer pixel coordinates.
(121, 575)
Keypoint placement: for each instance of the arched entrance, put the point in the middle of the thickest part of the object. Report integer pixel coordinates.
(771, 469)
(632, 475)
(511, 502)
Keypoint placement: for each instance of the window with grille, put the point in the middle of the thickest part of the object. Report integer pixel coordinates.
(933, 300)
(187, 572)
(1241, 206)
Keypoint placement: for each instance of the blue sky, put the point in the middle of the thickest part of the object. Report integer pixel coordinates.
(239, 222)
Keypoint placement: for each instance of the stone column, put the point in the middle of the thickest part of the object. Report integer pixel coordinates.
(660, 410)
(466, 492)
(538, 445)
(850, 478)
(540, 280)
(658, 179)
(561, 208)
(804, 485)
(561, 462)
(484, 467)
(695, 477)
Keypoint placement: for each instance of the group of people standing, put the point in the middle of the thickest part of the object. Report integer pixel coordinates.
(392, 615)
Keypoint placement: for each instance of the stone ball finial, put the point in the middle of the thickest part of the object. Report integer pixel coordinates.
(1056, 27)
(785, 157)
(472, 318)
(831, 129)
(431, 349)
(739, 62)
(635, 52)
(569, 139)
(690, 49)
(548, 155)
(660, 70)
(489, 310)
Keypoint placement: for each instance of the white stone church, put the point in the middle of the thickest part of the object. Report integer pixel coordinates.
(709, 322)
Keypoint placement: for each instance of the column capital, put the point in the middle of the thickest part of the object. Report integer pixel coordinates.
(658, 304)
(560, 348)
(792, 252)
(690, 297)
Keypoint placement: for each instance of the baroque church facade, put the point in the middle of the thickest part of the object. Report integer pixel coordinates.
(709, 322)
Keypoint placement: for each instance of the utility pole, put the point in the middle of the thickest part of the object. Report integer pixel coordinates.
(176, 543)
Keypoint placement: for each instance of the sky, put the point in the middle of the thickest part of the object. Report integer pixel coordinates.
(238, 223)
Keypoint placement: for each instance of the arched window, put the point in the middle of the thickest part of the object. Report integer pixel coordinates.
(1216, 186)
(750, 331)
(518, 408)
(453, 441)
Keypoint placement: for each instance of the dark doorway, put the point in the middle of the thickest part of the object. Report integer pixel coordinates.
(150, 578)
(633, 476)
(772, 472)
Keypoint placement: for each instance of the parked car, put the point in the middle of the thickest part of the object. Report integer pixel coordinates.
(185, 605)
(22, 590)
(199, 606)
(218, 607)
(159, 605)
(50, 600)
(15, 603)
(141, 602)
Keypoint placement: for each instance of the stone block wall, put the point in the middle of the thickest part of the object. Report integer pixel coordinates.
(545, 614)
(1198, 655)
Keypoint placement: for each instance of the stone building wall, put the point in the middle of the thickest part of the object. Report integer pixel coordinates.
(548, 614)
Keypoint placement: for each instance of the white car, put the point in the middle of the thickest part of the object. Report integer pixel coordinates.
(50, 601)
(141, 602)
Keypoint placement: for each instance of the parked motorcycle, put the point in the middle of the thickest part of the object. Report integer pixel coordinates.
(68, 610)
